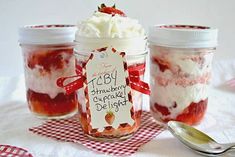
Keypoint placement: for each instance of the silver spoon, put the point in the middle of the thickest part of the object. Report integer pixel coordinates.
(197, 140)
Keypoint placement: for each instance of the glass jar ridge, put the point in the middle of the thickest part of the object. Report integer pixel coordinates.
(134, 58)
(48, 53)
(180, 71)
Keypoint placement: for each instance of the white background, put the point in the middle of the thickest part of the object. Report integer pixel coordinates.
(15, 13)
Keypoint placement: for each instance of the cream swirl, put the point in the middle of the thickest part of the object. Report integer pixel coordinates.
(102, 25)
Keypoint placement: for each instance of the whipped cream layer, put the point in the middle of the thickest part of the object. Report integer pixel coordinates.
(46, 83)
(193, 62)
(179, 77)
(102, 25)
(104, 30)
(182, 96)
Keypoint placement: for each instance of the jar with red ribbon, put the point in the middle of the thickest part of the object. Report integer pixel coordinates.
(48, 54)
(135, 49)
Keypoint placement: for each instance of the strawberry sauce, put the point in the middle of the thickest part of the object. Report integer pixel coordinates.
(191, 115)
(49, 63)
(163, 65)
(42, 104)
(50, 59)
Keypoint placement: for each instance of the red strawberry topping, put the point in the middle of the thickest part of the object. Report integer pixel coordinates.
(110, 10)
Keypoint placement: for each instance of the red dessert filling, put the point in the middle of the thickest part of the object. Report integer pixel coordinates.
(162, 109)
(162, 64)
(42, 104)
(48, 60)
(194, 113)
(191, 115)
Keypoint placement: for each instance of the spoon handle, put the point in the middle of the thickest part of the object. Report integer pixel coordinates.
(230, 145)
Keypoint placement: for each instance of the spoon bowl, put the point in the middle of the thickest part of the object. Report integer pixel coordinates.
(197, 140)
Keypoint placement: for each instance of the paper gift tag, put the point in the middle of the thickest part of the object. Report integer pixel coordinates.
(107, 91)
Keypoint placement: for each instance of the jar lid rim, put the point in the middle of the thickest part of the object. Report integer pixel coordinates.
(47, 34)
(191, 36)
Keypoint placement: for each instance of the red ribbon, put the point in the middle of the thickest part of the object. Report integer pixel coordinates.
(134, 75)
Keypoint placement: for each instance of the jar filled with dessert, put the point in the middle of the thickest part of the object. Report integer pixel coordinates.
(48, 55)
(181, 63)
(111, 28)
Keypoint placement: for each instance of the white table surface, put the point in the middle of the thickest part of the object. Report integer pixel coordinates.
(15, 119)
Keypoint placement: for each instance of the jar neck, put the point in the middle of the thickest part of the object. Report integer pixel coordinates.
(183, 49)
(63, 45)
(132, 46)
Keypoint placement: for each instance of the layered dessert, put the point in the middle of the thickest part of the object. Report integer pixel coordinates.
(179, 83)
(43, 66)
(110, 27)
(135, 112)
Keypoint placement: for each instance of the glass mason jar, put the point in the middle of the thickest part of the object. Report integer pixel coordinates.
(48, 55)
(181, 62)
(135, 49)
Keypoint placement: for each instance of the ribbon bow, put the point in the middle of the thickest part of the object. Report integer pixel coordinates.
(134, 74)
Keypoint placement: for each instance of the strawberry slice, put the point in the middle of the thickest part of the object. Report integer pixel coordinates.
(162, 109)
(110, 10)
(162, 64)
(109, 117)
